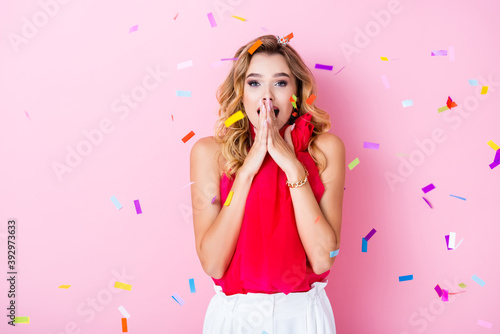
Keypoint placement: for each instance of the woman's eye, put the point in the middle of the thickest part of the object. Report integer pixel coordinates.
(283, 82)
(279, 83)
(251, 83)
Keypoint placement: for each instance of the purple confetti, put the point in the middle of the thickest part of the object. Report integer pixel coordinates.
(426, 201)
(447, 238)
(367, 144)
(496, 160)
(438, 290)
(428, 188)
(137, 207)
(444, 297)
(213, 199)
(229, 59)
(212, 20)
(339, 70)
(439, 53)
(134, 28)
(324, 67)
(370, 234)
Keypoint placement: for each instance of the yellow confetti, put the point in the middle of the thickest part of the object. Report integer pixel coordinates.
(239, 18)
(384, 58)
(234, 118)
(462, 285)
(64, 286)
(493, 145)
(229, 198)
(123, 286)
(22, 320)
(484, 90)
(443, 109)
(354, 163)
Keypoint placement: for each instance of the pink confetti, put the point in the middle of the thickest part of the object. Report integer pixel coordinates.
(134, 28)
(444, 297)
(339, 71)
(27, 115)
(484, 323)
(176, 16)
(212, 20)
(213, 199)
(385, 81)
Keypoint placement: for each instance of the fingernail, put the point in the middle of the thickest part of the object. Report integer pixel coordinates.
(293, 127)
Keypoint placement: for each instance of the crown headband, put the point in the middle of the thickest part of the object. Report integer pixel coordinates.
(284, 40)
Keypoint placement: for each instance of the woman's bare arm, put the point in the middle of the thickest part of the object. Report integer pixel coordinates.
(216, 229)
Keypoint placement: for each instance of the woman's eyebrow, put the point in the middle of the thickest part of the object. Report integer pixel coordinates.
(280, 74)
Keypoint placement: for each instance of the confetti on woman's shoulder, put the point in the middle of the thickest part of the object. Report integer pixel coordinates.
(428, 188)
(64, 286)
(213, 199)
(407, 103)
(439, 53)
(178, 299)
(354, 163)
(239, 18)
(229, 198)
(234, 118)
(211, 20)
(367, 144)
(255, 46)
(334, 253)
(124, 325)
(191, 285)
(185, 64)
(324, 67)
(311, 99)
(123, 286)
(124, 312)
(406, 278)
(132, 29)
(188, 136)
(116, 203)
(21, 320)
(138, 209)
(317, 219)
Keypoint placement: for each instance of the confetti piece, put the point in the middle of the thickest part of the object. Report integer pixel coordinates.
(478, 280)
(407, 103)
(364, 245)
(334, 253)
(458, 197)
(385, 81)
(384, 58)
(229, 198)
(21, 320)
(311, 99)
(458, 244)
(172, 117)
(339, 71)
(451, 242)
(176, 16)
(124, 312)
(116, 203)
(406, 278)
(462, 285)
(211, 20)
(294, 97)
(178, 299)
(27, 115)
(191, 285)
(255, 46)
(354, 163)
(447, 238)
(428, 188)
(223, 59)
(289, 36)
(294, 105)
(213, 199)
(443, 109)
(450, 104)
(239, 18)
(124, 325)
(473, 82)
(367, 144)
(324, 67)
(132, 29)
(439, 53)
(64, 286)
(185, 93)
(137, 207)
(456, 293)
(234, 118)
(428, 203)
(123, 286)
(188, 136)
(484, 90)
(451, 53)
(317, 219)
(438, 290)
(370, 234)
(187, 185)
(444, 297)
(484, 323)
(494, 146)
(185, 64)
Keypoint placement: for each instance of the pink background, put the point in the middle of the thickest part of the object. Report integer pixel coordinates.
(69, 77)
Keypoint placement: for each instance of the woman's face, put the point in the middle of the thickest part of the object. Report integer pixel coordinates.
(269, 78)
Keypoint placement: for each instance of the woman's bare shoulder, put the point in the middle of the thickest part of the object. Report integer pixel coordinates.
(214, 150)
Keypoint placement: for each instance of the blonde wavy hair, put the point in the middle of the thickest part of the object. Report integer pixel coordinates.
(237, 139)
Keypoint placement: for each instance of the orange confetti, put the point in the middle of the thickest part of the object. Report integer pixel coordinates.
(188, 136)
(311, 99)
(317, 220)
(124, 325)
(255, 46)
(450, 103)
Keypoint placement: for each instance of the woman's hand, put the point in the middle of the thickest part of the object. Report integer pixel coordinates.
(281, 150)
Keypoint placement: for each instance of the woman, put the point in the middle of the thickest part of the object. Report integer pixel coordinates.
(271, 238)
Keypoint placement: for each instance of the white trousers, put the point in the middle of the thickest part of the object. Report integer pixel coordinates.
(259, 313)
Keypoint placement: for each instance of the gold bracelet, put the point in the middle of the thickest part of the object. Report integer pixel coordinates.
(299, 183)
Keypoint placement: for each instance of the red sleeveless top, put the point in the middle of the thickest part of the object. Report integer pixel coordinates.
(269, 256)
